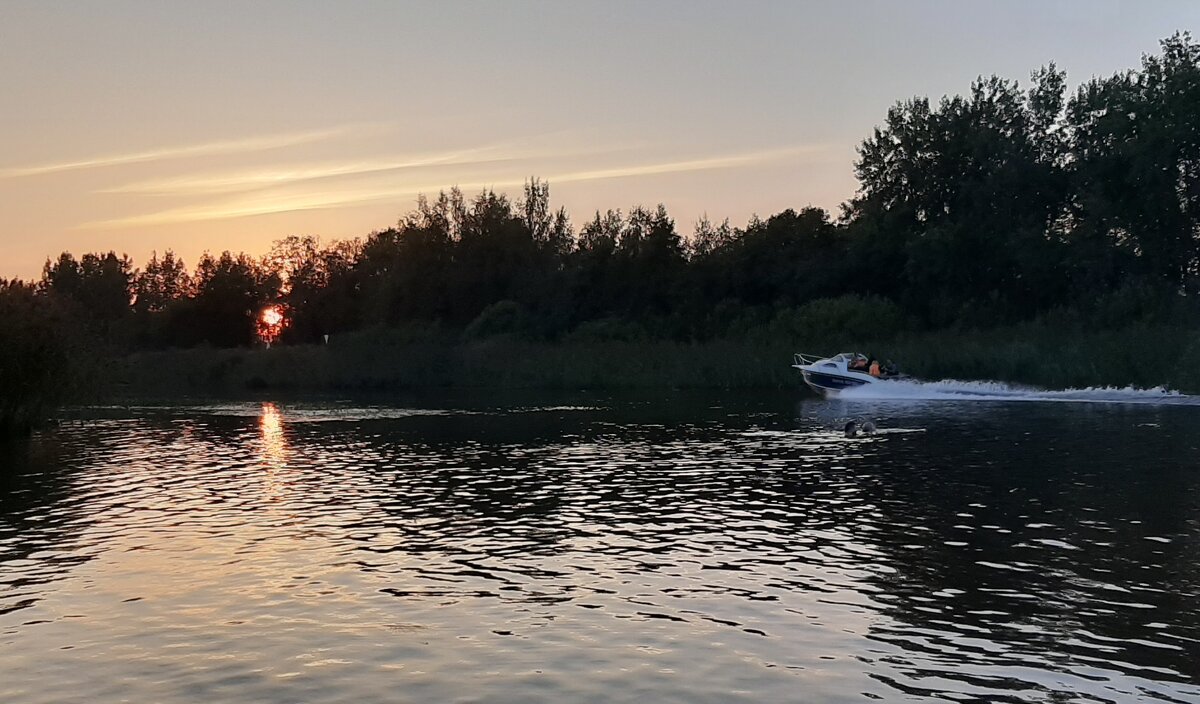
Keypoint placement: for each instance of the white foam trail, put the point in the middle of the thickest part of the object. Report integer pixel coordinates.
(954, 390)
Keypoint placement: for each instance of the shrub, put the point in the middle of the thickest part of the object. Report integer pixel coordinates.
(35, 358)
(843, 320)
(501, 318)
(608, 330)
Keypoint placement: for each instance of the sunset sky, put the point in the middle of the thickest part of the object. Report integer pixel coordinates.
(137, 126)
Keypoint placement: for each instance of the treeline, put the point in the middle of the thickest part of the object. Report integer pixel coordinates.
(482, 266)
(1005, 205)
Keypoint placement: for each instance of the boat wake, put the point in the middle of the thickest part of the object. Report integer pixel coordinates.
(953, 390)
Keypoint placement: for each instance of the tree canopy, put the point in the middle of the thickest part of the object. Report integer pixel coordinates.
(999, 205)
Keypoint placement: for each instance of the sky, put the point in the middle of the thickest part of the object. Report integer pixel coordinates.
(141, 126)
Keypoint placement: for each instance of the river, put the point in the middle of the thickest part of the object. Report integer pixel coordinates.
(673, 548)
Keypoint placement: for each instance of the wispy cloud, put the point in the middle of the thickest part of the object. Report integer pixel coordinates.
(229, 146)
(246, 180)
(673, 167)
(281, 201)
(270, 203)
(269, 178)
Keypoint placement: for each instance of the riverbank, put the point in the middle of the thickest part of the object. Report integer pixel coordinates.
(1036, 354)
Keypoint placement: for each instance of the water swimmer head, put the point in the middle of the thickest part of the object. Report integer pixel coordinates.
(853, 429)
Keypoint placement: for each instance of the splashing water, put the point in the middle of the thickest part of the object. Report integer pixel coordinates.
(954, 390)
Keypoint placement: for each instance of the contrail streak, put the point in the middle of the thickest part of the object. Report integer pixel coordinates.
(231, 146)
(266, 202)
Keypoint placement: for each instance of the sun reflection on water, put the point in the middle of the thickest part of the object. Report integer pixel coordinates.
(274, 444)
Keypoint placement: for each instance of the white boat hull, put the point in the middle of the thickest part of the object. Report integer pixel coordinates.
(828, 384)
(833, 375)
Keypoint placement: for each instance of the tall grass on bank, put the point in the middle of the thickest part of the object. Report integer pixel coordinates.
(1041, 354)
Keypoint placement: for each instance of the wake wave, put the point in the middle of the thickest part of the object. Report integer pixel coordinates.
(954, 390)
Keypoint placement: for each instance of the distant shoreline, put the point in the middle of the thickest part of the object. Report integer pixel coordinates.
(1036, 355)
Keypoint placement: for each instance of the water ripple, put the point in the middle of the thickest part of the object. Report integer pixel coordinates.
(602, 550)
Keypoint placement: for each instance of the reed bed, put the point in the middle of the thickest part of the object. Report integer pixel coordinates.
(1039, 354)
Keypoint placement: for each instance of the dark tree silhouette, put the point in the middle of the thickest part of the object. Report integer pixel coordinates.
(1003, 205)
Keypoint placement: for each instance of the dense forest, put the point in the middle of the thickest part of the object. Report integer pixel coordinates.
(1010, 204)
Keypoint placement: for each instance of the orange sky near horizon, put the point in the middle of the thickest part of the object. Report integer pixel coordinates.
(137, 126)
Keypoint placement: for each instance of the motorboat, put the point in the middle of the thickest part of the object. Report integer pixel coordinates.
(829, 376)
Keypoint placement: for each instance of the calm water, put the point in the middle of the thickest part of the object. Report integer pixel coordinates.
(718, 548)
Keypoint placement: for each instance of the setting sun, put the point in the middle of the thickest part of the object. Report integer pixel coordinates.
(271, 322)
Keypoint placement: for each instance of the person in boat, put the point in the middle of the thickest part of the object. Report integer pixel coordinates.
(858, 364)
(876, 370)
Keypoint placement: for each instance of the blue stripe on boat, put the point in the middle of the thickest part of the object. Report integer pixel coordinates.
(830, 381)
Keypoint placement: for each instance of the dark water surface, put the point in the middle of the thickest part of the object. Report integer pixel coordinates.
(718, 548)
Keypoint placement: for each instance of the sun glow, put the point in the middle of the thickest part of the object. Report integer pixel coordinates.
(271, 322)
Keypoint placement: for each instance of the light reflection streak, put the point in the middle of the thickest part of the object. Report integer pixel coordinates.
(274, 446)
